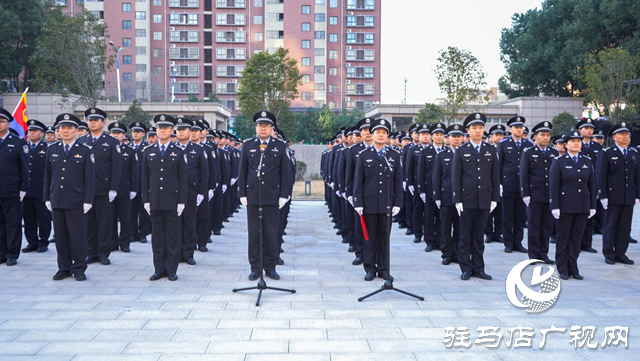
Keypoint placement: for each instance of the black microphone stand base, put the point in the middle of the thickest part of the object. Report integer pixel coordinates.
(261, 286)
(388, 286)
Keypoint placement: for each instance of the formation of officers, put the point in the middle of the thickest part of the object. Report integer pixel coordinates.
(458, 188)
(102, 190)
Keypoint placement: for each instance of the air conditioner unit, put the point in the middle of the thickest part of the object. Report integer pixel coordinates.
(171, 28)
(349, 47)
(234, 80)
(348, 64)
(347, 98)
(348, 30)
(172, 63)
(348, 81)
(350, 13)
(173, 45)
(240, 29)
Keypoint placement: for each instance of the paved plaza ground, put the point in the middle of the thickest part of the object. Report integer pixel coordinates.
(118, 314)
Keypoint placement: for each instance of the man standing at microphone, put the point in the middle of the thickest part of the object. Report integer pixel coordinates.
(264, 180)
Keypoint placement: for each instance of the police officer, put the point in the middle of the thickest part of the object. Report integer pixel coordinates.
(269, 190)
(36, 217)
(106, 151)
(69, 179)
(493, 229)
(426, 163)
(198, 137)
(50, 135)
(408, 194)
(411, 174)
(573, 200)
(14, 177)
(140, 221)
(590, 149)
(534, 189)
(599, 137)
(618, 182)
(127, 191)
(197, 189)
(164, 194)
(217, 215)
(377, 184)
(346, 229)
(476, 187)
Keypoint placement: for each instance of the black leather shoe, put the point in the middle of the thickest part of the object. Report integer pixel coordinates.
(429, 248)
(143, 239)
(281, 250)
(42, 249)
(589, 249)
(253, 276)
(12, 262)
(80, 277)
(60, 275)
(335, 226)
(547, 260)
(280, 262)
(173, 277)
(216, 233)
(226, 220)
(351, 249)
(578, 277)
(482, 275)
(357, 261)
(157, 276)
(190, 261)
(552, 240)
(369, 276)
(338, 233)
(417, 240)
(385, 275)
(609, 261)
(408, 232)
(508, 249)
(402, 226)
(30, 248)
(624, 260)
(273, 275)
(125, 249)
(632, 240)
(446, 261)
(284, 233)
(564, 276)
(520, 249)
(499, 239)
(90, 259)
(105, 261)
(345, 240)
(465, 276)
(203, 249)
(488, 239)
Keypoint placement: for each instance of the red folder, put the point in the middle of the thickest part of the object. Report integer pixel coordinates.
(364, 228)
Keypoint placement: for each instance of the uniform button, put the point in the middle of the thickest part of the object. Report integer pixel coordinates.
(62, 178)
(61, 186)
(161, 160)
(546, 184)
(64, 161)
(380, 173)
(62, 168)
(160, 178)
(579, 180)
(380, 191)
(478, 177)
(579, 190)
(160, 188)
(478, 186)
(546, 176)
(478, 168)
(161, 169)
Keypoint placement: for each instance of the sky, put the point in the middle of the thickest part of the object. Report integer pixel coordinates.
(413, 31)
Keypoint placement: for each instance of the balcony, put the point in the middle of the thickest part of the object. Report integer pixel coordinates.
(231, 4)
(184, 3)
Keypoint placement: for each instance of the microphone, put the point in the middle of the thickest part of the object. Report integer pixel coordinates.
(262, 149)
(384, 155)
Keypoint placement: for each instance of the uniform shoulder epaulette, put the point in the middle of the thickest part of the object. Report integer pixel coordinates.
(505, 140)
(633, 149)
(88, 135)
(395, 150)
(584, 156)
(85, 144)
(362, 151)
(148, 146)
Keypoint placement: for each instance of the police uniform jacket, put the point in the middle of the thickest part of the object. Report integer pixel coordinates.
(426, 164)
(225, 167)
(572, 186)
(164, 178)
(591, 149)
(617, 176)
(476, 176)
(69, 180)
(352, 158)
(14, 166)
(535, 166)
(139, 150)
(411, 166)
(214, 166)
(129, 172)
(275, 172)
(197, 171)
(37, 162)
(106, 152)
(441, 179)
(341, 168)
(371, 181)
(509, 163)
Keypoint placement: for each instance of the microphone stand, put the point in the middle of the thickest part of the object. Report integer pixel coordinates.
(262, 285)
(388, 282)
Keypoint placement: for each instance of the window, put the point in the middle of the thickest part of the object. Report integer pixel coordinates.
(361, 4)
(318, 87)
(141, 50)
(333, 71)
(157, 70)
(183, 19)
(229, 53)
(229, 70)
(333, 54)
(333, 38)
(126, 7)
(360, 89)
(320, 18)
(157, 2)
(126, 24)
(333, 88)
(306, 26)
(257, 19)
(319, 51)
(333, 20)
(157, 18)
(141, 33)
(257, 36)
(127, 78)
(141, 68)
(333, 3)
(257, 3)
(187, 70)
(126, 42)
(183, 36)
(320, 2)
(319, 69)
(184, 3)
(226, 88)
(306, 61)
(306, 9)
(360, 72)
(306, 96)
(157, 53)
(184, 53)
(306, 79)
(360, 55)
(157, 35)
(367, 21)
(319, 35)
(318, 104)
(126, 59)
(141, 15)
(360, 38)
(306, 44)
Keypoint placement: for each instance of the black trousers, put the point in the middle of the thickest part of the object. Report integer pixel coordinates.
(270, 242)
(37, 221)
(617, 227)
(432, 226)
(471, 246)
(337, 201)
(203, 228)
(166, 240)
(122, 214)
(598, 218)
(376, 249)
(216, 209)
(570, 228)
(450, 221)
(408, 209)
(417, 215)
(99, 227)
(226, 203)
(344, 226)
(587, 236)
(349, 224)
(10, 227)
(358, 235)
(189, 234)
(282, 223)
(514, 216)
(540, 224)
(70, 226)
(140, 219)
(493, 229)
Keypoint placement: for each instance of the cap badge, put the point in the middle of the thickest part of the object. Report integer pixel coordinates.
(623, 124)
(93, 111)
(518, 119)
(66, 116)
(264, 114)
(162, 117)
(477, 116)
(546, 124)
(382, 122)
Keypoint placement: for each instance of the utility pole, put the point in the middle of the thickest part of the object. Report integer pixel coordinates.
(405, 90)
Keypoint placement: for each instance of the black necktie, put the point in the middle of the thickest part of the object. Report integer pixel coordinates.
(66, 149)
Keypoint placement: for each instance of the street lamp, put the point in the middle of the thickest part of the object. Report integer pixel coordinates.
(173, 84)
(117, 67)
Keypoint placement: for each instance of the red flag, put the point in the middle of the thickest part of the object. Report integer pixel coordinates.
(364, 228)
(20, 115)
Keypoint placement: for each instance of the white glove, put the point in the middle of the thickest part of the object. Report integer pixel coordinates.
(210, 194)
(180, 209)
(605, 203)
(282, 202)
(48, 205)
(216, 186)
(233, 181)
(526, 200)
(555, 213)
(199, 199)
(132, 195)
(350, 199)
(112, 195)
(492, 206)
(500, 190)
(404, 186)
(395, 211)
(411, 189)
(637, 201)
(438, 203)
(331, 185)
(86, 207)
(22, 194)
(423, 196)
(591, 212)
(344, 195)
(224, 188)
(147, 207)
(459, 208)
(243, 200)
(359, 210)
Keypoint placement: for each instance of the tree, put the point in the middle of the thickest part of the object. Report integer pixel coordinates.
(604, 77)
(460, 78)
(243, 126)
(429, 114)
(135, 113)
(563, 123)
(213, 98)
(193, 99)
(71, 56)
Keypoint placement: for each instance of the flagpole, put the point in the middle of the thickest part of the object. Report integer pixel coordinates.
(20, 101)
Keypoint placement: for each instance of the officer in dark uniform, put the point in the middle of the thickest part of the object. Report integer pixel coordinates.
(152, 135)
(106, 151)
(573, 200)
(590, 149)
(14, 177)
(268, 156)
(426, 164)
(411, 173)
(197, 189)
(514, 214)
(217, 216)
(50, 135)
(377, 185)
(534, 189)
(164, 194)
(198, 137)
(36, 217)
(127, 191)
(140, 221)
(408, 195)
(493, 229)
(443, 196)
(618, 182)
(404, 138)
(69, 179)
(476, 192)
(347, 216)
